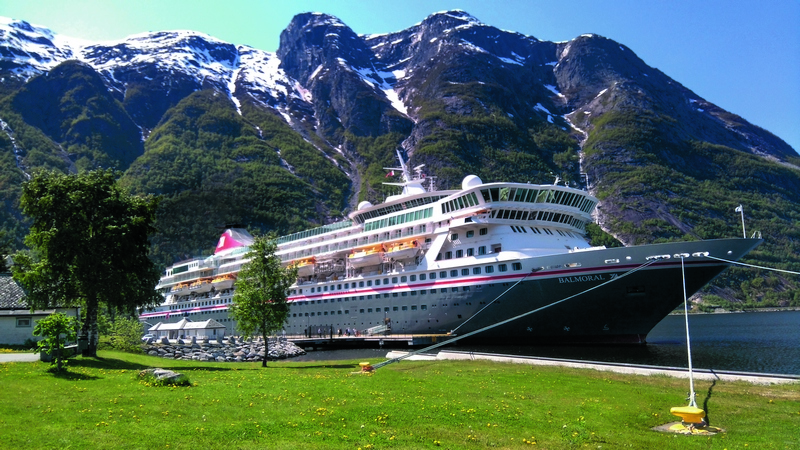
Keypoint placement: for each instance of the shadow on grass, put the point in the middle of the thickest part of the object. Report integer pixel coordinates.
(65, 374)
(708, 396)
(120, 364)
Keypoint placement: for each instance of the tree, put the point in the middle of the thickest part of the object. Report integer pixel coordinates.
(89, 245)
(126, 334)
(259, 301)
(57, 329)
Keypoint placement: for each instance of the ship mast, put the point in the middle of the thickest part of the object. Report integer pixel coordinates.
(412, 183)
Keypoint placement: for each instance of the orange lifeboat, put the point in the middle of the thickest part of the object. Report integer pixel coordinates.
(223, 282)
(305, 266)
(366, 256)
(402, 249)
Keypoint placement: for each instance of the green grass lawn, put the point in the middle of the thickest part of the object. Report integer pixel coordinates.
(100, 403)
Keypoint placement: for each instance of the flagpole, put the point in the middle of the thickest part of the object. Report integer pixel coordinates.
(740, 209)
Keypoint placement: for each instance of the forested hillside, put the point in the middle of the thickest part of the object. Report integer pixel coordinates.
(228, 134)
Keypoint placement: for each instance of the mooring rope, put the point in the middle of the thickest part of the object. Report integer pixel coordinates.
(495, 299)
(489, 327)
(752, 265)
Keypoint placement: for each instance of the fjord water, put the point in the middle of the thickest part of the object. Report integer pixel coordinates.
(762, 342)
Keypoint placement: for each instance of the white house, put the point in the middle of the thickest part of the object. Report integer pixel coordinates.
(16, 319)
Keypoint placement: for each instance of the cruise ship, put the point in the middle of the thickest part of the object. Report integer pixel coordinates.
(453, 262)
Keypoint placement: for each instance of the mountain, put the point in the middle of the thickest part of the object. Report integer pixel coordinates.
(287, 140)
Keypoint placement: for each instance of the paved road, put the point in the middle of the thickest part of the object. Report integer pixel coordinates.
(18, 357)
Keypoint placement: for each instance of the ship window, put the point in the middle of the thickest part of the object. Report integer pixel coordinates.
(394, 280)
(339, 312)
(413, 292)
(369, 310)
(433, 291)
(442, 274)
(326, 300)
(403, 279)
(454, 237)
(312, 290)
(394, 294)
(465, 288)
(516, 266)
(438, 257)
(347, 285)
(413, 307)
(455, 289)
(483, 231)
(405, 308)
(433, 275)
(369, 282)
(424, 307)
(360, 284)
(459, 253)
(413, 278)
(404, 294)
(470, 233)
(422, 277)
(369, 297)
(448, 255)
(395, 308)
(338, 287)
(312, 314)
(464, 271)
(476, 270)
(470, 252)
(386, 295)
(453, 273)
(482, 250)
(326, 313)
(306, 314)
(361, 310)
(423, 292)
(502, 268)
(377, 282)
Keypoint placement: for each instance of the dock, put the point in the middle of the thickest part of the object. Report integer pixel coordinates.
(332, 341)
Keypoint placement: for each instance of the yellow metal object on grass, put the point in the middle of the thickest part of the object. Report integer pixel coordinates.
(366, 367)
(688, 414)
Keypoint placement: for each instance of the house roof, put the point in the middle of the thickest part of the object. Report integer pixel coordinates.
(187, 325)
(11, 294)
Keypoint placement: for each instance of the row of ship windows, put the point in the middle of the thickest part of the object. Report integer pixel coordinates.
(510, 194)
(399, 219)
(544, 216)
(411, 278)
(361, 218)
(517, 229)
(387, 308)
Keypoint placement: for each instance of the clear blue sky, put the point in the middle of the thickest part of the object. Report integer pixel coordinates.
(743, 55)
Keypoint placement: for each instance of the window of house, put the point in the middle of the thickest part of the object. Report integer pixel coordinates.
(23, 322)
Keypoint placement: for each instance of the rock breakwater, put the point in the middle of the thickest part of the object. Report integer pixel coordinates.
(227, 350)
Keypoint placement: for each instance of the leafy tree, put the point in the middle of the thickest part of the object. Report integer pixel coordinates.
(259, 302)
(57, 329)
(89, 245)
(126, 334)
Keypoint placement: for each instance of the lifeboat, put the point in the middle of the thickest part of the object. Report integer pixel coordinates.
(200, 286)
(305, 267)
(366, 256)
(180, 288)
(223, 282)
(402, 250)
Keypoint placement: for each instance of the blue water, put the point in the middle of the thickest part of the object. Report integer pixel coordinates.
(763, 342)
